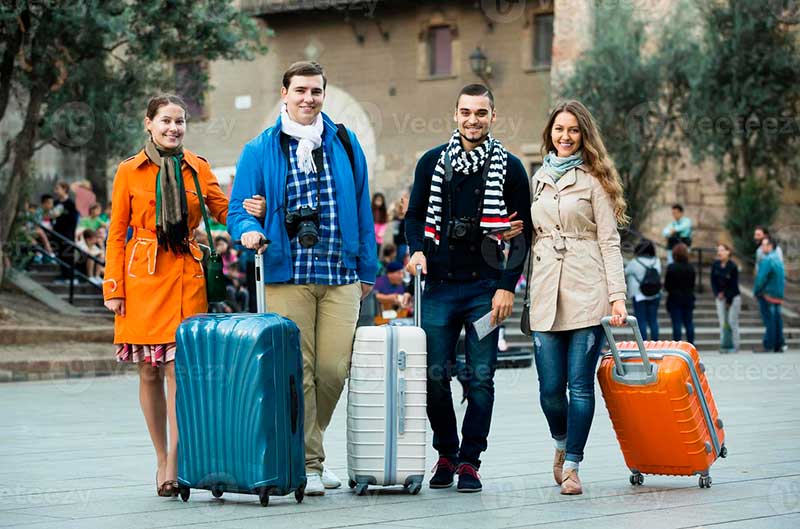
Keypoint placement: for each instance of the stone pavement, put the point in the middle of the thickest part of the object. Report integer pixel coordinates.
(76, 455)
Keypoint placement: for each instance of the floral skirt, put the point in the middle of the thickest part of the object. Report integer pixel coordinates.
(156, 355)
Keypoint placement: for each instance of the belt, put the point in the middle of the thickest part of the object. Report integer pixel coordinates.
(143, 233)
(558, 238)
(587, 236)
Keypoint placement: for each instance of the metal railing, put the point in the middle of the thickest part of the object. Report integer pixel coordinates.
(73, 271)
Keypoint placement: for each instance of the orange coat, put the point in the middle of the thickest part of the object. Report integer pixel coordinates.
(160, 288)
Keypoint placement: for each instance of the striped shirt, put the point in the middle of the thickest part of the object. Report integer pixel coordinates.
(322, 263)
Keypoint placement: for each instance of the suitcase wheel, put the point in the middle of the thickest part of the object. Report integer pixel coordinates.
(723, 451)
(216, 491)
(263, 496)
(361, 488)
(637, 479)
(351, 484)
(299, 494)
(184, 492)
(704, 482)
(414, 488)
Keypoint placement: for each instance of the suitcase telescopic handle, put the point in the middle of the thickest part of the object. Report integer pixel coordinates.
(618, 363)
(261, 294)
(418, 297)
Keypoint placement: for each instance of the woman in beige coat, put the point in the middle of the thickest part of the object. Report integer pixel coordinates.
(577, 277)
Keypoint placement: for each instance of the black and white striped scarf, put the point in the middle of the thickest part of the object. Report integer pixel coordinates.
(494, 216)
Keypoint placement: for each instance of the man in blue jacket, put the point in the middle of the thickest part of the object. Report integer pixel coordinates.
(768, 289)
(321, 259)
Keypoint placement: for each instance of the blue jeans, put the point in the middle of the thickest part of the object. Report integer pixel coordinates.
(681, 314)
(646, 312)
(773, 324)
(567, 359)
(448, 307)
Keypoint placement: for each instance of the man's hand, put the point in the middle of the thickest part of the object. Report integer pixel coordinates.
(255, 206)
(365, 290)
(502, 304)
(514, 230)
(619, 314)
(417, 259)
(117, 306)
(254, 240)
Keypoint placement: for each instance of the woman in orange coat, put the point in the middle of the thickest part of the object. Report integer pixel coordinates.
(156, 279)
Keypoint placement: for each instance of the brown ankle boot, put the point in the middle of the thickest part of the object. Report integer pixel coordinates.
(571, 483)
(558, 465)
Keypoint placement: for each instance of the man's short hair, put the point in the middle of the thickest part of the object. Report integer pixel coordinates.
(476, 90)
(679, 207)
(304, 69)
(46, 196)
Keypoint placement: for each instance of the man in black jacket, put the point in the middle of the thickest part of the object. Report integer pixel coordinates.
(465, 195)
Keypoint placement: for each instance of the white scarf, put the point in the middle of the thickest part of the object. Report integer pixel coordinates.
(308, 136)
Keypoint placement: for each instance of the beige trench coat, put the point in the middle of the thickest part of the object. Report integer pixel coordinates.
(577, 269)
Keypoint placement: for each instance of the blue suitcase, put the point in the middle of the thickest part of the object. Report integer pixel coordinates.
(240, 404)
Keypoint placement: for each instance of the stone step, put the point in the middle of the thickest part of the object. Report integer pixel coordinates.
(522, 341)
(85, 300)
(80, 288)
(20, 335)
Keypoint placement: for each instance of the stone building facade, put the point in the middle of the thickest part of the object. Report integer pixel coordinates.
(394, 68)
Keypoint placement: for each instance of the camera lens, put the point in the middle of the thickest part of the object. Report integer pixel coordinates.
(307, 234)
(460, 230)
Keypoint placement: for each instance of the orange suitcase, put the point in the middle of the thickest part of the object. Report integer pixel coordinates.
(661, 407)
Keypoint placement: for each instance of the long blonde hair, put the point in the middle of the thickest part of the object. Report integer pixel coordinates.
(594, 154)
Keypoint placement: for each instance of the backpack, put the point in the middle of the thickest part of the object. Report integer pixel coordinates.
(650, 285)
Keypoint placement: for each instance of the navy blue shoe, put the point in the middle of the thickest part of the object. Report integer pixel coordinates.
(443, 473)
(468, 478)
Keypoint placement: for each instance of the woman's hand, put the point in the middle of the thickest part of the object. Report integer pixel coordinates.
(619, 314)
(255, 206)
(514, 230)
(117, 306)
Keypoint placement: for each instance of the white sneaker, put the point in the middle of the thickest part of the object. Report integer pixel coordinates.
(314, 485)
(329, 479)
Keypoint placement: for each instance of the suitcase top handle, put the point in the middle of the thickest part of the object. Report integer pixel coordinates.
(627, 370)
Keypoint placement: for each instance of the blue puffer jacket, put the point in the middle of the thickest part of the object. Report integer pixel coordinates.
(262, 170)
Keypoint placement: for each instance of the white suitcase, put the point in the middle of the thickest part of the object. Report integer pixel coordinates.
(386, 405)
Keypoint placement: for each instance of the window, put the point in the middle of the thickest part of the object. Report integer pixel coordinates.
(542, 40)
(440, 50)
(189, 80)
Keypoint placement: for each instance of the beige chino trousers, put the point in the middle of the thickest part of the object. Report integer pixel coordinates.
(326, 316)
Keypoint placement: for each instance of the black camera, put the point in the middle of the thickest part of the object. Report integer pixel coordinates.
(303, 223)
(463, 229)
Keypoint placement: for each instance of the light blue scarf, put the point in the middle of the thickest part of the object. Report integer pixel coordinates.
(556, 167)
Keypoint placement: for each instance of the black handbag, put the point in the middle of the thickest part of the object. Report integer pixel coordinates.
(212, 266)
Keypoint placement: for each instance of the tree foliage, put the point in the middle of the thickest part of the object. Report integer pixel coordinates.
(743, 106)
(77, 73)
(633, 82)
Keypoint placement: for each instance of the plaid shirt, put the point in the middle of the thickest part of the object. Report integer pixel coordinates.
(322, 263)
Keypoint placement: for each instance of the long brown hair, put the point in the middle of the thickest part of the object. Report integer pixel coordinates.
(594, 154)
